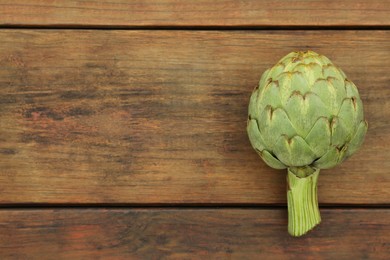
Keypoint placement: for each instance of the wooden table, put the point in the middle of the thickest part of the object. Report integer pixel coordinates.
(122, 128)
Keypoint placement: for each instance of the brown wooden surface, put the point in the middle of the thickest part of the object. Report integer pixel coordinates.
(195, 13)
(190, 234)
(150, 117)
(159, 117)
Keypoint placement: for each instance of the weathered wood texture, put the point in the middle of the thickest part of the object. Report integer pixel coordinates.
(160, 117)
(190, 234)
(195, 13)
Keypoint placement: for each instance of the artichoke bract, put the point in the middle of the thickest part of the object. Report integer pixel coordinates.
(305, 115)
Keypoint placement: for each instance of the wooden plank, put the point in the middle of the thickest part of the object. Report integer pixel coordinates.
(190, 234)
(160, 117)
(122, 13)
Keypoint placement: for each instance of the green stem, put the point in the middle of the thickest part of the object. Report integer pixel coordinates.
(303, 212)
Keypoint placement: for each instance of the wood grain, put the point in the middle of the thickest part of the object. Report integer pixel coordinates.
(122, 13)
(190, 234)
(159, 117)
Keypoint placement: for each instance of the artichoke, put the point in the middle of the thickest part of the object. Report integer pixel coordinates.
(305, 115)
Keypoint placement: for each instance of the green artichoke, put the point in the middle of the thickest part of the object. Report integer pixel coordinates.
(305, 115)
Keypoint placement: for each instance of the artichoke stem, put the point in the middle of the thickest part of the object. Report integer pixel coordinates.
(303, 211)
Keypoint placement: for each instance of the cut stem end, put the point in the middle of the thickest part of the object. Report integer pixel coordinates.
(303, 211)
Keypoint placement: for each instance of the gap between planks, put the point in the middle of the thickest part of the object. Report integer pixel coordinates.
(193, 28)
(44, 206)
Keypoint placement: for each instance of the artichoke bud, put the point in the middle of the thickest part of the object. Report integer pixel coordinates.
(305, 115)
